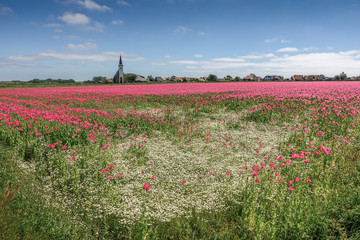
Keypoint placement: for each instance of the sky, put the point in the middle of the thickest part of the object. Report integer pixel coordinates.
(80, 39)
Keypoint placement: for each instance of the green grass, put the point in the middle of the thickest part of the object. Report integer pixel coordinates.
(328, 207)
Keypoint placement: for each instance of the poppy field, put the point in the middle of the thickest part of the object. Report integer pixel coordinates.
(181, 161)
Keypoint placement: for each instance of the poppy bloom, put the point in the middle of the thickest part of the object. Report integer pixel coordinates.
(118, 176)
(73, 158)
(257, 180)
(183, 182)
(291, 188)
(296, 179)
(147, 187)
(210, 173)
(110, 177)
(227, 173)
(308, 180)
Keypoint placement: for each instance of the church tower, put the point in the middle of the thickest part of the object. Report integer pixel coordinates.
(121, 71)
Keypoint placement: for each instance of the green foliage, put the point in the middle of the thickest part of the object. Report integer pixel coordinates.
(51, 81)
(130, 77)
(328, 207)
(151, 78)
(341, 77)
(98, 79)
(212, 78)
(228, 78)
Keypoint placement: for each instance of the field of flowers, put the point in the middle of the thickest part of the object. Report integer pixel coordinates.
(181, 161)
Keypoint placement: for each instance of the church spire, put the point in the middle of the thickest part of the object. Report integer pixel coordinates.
(120, 60)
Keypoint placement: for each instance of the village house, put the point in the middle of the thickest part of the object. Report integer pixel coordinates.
(297, 77)
(251, 78)
(273, 78)
(159, 79)
(141, 79)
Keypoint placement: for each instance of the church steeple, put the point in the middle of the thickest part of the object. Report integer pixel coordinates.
(121, 71)
(120, 60)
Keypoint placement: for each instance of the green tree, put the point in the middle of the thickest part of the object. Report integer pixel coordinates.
(341, 77)
(212, 78)
(237, 79)
(130, 77)
(228, 78)
(151, 79)
(35, 80)
(98, 79)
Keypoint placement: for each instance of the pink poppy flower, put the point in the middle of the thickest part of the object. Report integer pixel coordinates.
(227, 173)
(183, 182)
(291, 188)
(147, 187)
(257, 180)
(308, 180)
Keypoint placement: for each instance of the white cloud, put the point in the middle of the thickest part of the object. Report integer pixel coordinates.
(201, 33)
(75, 18)
(310, 48)
(100, 57)
(184, 62)
(284, 41)
(258, 56)
(288, 49)
(91, 5)
(228, 59)
(326, 63)
(198, 56)
(276, 39)
(159, 64)
(181, 30)
(123, 3)
(117, 22)
(66, 37)
(4, 10)
(96, 26)
(52, 25)
(84, 46)
(168, 56)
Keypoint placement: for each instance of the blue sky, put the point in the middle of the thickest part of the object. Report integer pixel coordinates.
(80, 39)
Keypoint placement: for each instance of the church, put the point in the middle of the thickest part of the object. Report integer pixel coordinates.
(119, 75)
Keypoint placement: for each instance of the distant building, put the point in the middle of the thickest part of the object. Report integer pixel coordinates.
(159, 79)
(141, 79)
(297, 77)
(311, 77)
(119, 76)
(251, 77)
(273, 78)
